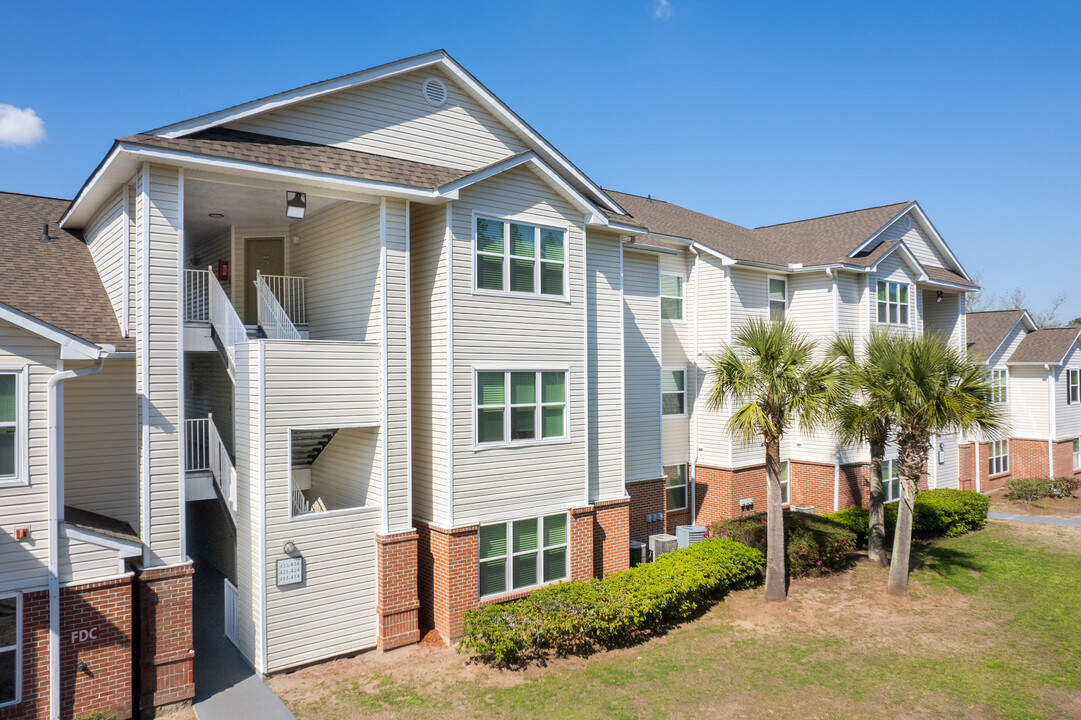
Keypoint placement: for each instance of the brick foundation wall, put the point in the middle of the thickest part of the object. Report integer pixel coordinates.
(647, 498)
(854, 482)
(810, 484)
(966, 472)
(1028, 458)
(104, 609)
(397, 601)
(611, 536)
(581, 542)
(719, 490)
(1063, 452)
(165, 636)
(448, 577)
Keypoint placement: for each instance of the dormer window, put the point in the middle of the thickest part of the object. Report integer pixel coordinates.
(893, 303)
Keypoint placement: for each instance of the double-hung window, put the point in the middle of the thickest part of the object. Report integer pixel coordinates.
(891, 481)
(521, 406)
(778, 299)
(671, 297)
(1077, 453)
(519, 258)
(673, 392)
(1073, 385)
(998, 459)
(784, 483)
(522, 553)
(10, 624)
(999, 386)
(893, 303)
(12, 427)
(675, 480)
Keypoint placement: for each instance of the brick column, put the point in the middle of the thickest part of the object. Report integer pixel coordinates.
(581, 542)
(397, 602)
(448, 577)
(647, 497)
(166, 651)
(611, 536)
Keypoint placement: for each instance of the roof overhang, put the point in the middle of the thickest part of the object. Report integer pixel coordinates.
(643, 247)
(126, 548)
(928, 227)
(71, 346)
(437, 58)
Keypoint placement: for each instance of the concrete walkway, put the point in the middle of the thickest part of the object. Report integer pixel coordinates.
(1070, 522)
(226, 687)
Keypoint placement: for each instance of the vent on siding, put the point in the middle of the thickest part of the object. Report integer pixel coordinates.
(906, 222)
(434, 91)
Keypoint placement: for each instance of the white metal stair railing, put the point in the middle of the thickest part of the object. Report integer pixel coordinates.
(290, 290)
(196, 295)
(300, 503)
(272, 316)
(232, 619)
(206, 452)
(225, 321)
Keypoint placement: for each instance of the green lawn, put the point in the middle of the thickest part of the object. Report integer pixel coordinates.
(993, 629)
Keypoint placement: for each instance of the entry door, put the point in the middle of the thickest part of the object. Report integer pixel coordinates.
(267, 256)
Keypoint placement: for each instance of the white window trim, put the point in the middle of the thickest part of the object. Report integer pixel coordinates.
(510, 554)
(888, 476)
(21, 478)
(1002, 457)
(18, 648)
(305, 517)
(1073, 384)
(769, 296)
(1077, 454)
(682, 299)
(1001, 391)
(674, 368)
(685, 486)
(522, 220)
(787, 483)
(507, 369)
(911, 294)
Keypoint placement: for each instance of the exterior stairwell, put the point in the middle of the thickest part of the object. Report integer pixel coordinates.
(306, 446)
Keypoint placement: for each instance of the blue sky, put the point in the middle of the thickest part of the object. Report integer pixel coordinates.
(756, 112)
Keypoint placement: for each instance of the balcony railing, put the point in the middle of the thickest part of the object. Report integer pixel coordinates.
(196, 296)
(273, 318)
(206, 452)
(290, 292)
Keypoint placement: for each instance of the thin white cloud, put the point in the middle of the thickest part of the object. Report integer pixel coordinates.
(662, 9)
(20, 126)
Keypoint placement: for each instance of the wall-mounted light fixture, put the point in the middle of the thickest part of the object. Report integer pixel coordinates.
(295, 204)
(938, 297)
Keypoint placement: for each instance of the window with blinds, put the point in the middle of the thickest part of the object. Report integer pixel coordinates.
(523, 553)
(519, 258)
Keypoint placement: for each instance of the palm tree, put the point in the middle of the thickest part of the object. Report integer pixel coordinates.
(928, 387)
(771, 375)
(863, 415)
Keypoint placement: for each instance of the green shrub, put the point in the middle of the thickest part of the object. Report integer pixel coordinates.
(1065, 486)
(571, 616)
(1028, 489)
(814, 544)
(96, 715)
(935, 513)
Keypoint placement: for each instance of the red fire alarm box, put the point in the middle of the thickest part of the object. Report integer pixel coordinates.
(223, 270)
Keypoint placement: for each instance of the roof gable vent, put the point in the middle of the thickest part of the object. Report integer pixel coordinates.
(906, 222)
(434, 91)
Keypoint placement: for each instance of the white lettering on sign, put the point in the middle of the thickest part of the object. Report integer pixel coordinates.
(78, 636)
(290, 571)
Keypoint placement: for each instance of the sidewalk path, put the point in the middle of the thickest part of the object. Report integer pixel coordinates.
(1071, 522)
(226, 687)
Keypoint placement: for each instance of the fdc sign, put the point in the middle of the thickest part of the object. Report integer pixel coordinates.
(78, 636)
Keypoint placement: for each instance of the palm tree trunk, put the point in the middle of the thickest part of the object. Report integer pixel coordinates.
(911, 464)
(876, 530)
(775, 580)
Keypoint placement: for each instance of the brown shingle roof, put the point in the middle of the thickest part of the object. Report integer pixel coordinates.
(299, 155)
(987, 330)
(827, 239)
(1046, 345)
(55, 281)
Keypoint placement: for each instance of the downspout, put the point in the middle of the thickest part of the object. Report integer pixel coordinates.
(1051, 419)
(836, 331)
(56, 516)
(692, 515)
(976, 450)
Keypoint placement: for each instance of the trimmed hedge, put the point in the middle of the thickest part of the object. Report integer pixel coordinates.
(936, 513)
(814, 544)
(577, 615)
(1031, 489)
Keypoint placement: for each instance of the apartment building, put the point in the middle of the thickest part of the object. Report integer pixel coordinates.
(1037, 378)
(377, 353)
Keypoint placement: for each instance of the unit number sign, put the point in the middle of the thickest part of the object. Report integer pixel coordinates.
(290, 571)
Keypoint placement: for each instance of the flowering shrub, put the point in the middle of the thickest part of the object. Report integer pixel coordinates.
(576, 615)
(814, 544)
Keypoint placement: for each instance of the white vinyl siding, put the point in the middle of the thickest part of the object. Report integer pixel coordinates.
(390, 117)
(339, 254)
(429, 256)
(249, 519)
(104, 236)
(711, 302)
(494, 483)
(605, 368)
(26, 505)
(945, 316)
(642, 337)
(749, 300)
(1067, 414)
(101, 460)
(82, 562)
(916, 240)
(395, 223)
(1028, 406)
